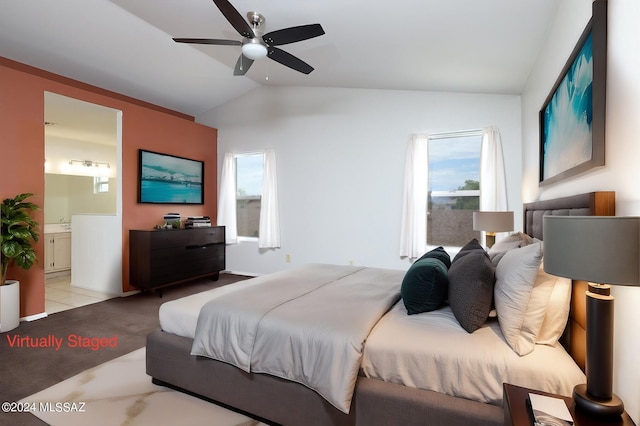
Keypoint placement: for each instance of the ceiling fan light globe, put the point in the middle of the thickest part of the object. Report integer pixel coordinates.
(254, 50)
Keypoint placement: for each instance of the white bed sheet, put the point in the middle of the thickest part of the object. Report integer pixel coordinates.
(432, 351)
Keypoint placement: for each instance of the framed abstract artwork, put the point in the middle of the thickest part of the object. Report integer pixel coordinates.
(169, 179)
(572, 119)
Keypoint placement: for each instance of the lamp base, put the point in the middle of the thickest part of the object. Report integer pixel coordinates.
(597, 406)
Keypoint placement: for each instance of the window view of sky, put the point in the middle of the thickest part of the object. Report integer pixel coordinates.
(249, 170)
(452, 161)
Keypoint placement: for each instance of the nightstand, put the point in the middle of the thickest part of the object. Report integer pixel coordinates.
(517, 412)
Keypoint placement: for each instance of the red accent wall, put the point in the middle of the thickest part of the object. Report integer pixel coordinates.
(144, 125)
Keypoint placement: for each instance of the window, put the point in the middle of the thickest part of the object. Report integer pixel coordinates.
(100, 184)
(249, 172)
(454, 188)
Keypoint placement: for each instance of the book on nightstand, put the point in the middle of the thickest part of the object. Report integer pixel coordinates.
(549, 411)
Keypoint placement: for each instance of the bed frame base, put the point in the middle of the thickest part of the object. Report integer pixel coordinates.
(288, 403)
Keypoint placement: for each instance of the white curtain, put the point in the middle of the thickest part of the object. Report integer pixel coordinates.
(227, 199)
(413, 235)
(493, 181)
(269, 233)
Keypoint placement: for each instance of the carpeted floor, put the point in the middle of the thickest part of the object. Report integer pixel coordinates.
(30, 359)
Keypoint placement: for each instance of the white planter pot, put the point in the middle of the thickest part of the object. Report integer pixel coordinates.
(9, 305)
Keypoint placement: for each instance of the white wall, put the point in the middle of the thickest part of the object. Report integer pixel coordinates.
(340, 157)
(96, 253)
(622, 152)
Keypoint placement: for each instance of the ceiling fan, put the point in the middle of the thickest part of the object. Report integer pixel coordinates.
(255, 44)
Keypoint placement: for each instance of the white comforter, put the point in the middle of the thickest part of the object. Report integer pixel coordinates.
(432, 351)
(300, 325)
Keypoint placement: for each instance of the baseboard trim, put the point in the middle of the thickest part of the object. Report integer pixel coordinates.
(34, 317)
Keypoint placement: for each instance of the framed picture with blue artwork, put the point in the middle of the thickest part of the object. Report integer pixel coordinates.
(572, 119)
(169, 179)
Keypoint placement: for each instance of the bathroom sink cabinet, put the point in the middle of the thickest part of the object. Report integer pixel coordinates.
(57, 252)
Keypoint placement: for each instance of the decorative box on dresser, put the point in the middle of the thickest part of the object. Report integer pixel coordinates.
(159, 258)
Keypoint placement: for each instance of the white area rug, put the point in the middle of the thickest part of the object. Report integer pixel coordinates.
(119, 392)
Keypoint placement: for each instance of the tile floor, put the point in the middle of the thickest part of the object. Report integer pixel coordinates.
(59, 295)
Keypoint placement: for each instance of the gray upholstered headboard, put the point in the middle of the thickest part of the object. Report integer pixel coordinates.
(602, 203)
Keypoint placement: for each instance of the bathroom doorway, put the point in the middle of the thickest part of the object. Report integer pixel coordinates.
(82, 192)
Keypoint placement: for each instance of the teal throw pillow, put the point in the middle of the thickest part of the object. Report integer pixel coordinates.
(425, 285)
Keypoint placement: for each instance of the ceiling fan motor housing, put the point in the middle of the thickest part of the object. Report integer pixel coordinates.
(255, 48)
(255, 19)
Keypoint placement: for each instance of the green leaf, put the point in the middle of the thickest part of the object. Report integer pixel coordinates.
(26, 259)
(11, 249)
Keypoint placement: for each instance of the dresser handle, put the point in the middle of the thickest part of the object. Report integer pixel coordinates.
(200, 246)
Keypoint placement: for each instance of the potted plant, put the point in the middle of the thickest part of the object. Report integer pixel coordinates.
(18, 231)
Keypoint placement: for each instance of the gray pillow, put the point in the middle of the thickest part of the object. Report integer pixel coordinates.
(471, 282)
(513, 241)
(471, 246)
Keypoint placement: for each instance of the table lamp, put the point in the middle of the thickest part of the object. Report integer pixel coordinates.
(603, 250)
(492, 222)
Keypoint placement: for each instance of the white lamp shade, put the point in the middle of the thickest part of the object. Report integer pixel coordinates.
(254, 50)
(493, 221)
(599, 249)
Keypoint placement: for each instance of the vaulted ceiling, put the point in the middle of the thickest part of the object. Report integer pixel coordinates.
(476, 46)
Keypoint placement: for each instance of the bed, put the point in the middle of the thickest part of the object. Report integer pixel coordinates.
(379, 394)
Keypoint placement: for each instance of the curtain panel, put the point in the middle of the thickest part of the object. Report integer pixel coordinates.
(269, 228)
(493, 180)
(227, 199)
(413, 233)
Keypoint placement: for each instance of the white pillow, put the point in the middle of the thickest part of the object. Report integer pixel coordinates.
(520, 299)
(557, 312)
(510, 242)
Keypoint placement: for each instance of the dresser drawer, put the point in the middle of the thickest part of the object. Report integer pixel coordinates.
(168, 265)
(187, 237)
(163, 257)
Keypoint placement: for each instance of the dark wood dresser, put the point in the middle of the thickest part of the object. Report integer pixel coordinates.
(161, 258)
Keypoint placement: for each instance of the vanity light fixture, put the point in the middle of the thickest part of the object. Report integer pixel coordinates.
(89, 163)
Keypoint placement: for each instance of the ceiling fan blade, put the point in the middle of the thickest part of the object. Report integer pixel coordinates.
(208, 41)
(288, 60)
(293, 34)
(242, 65)
(234, 18)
